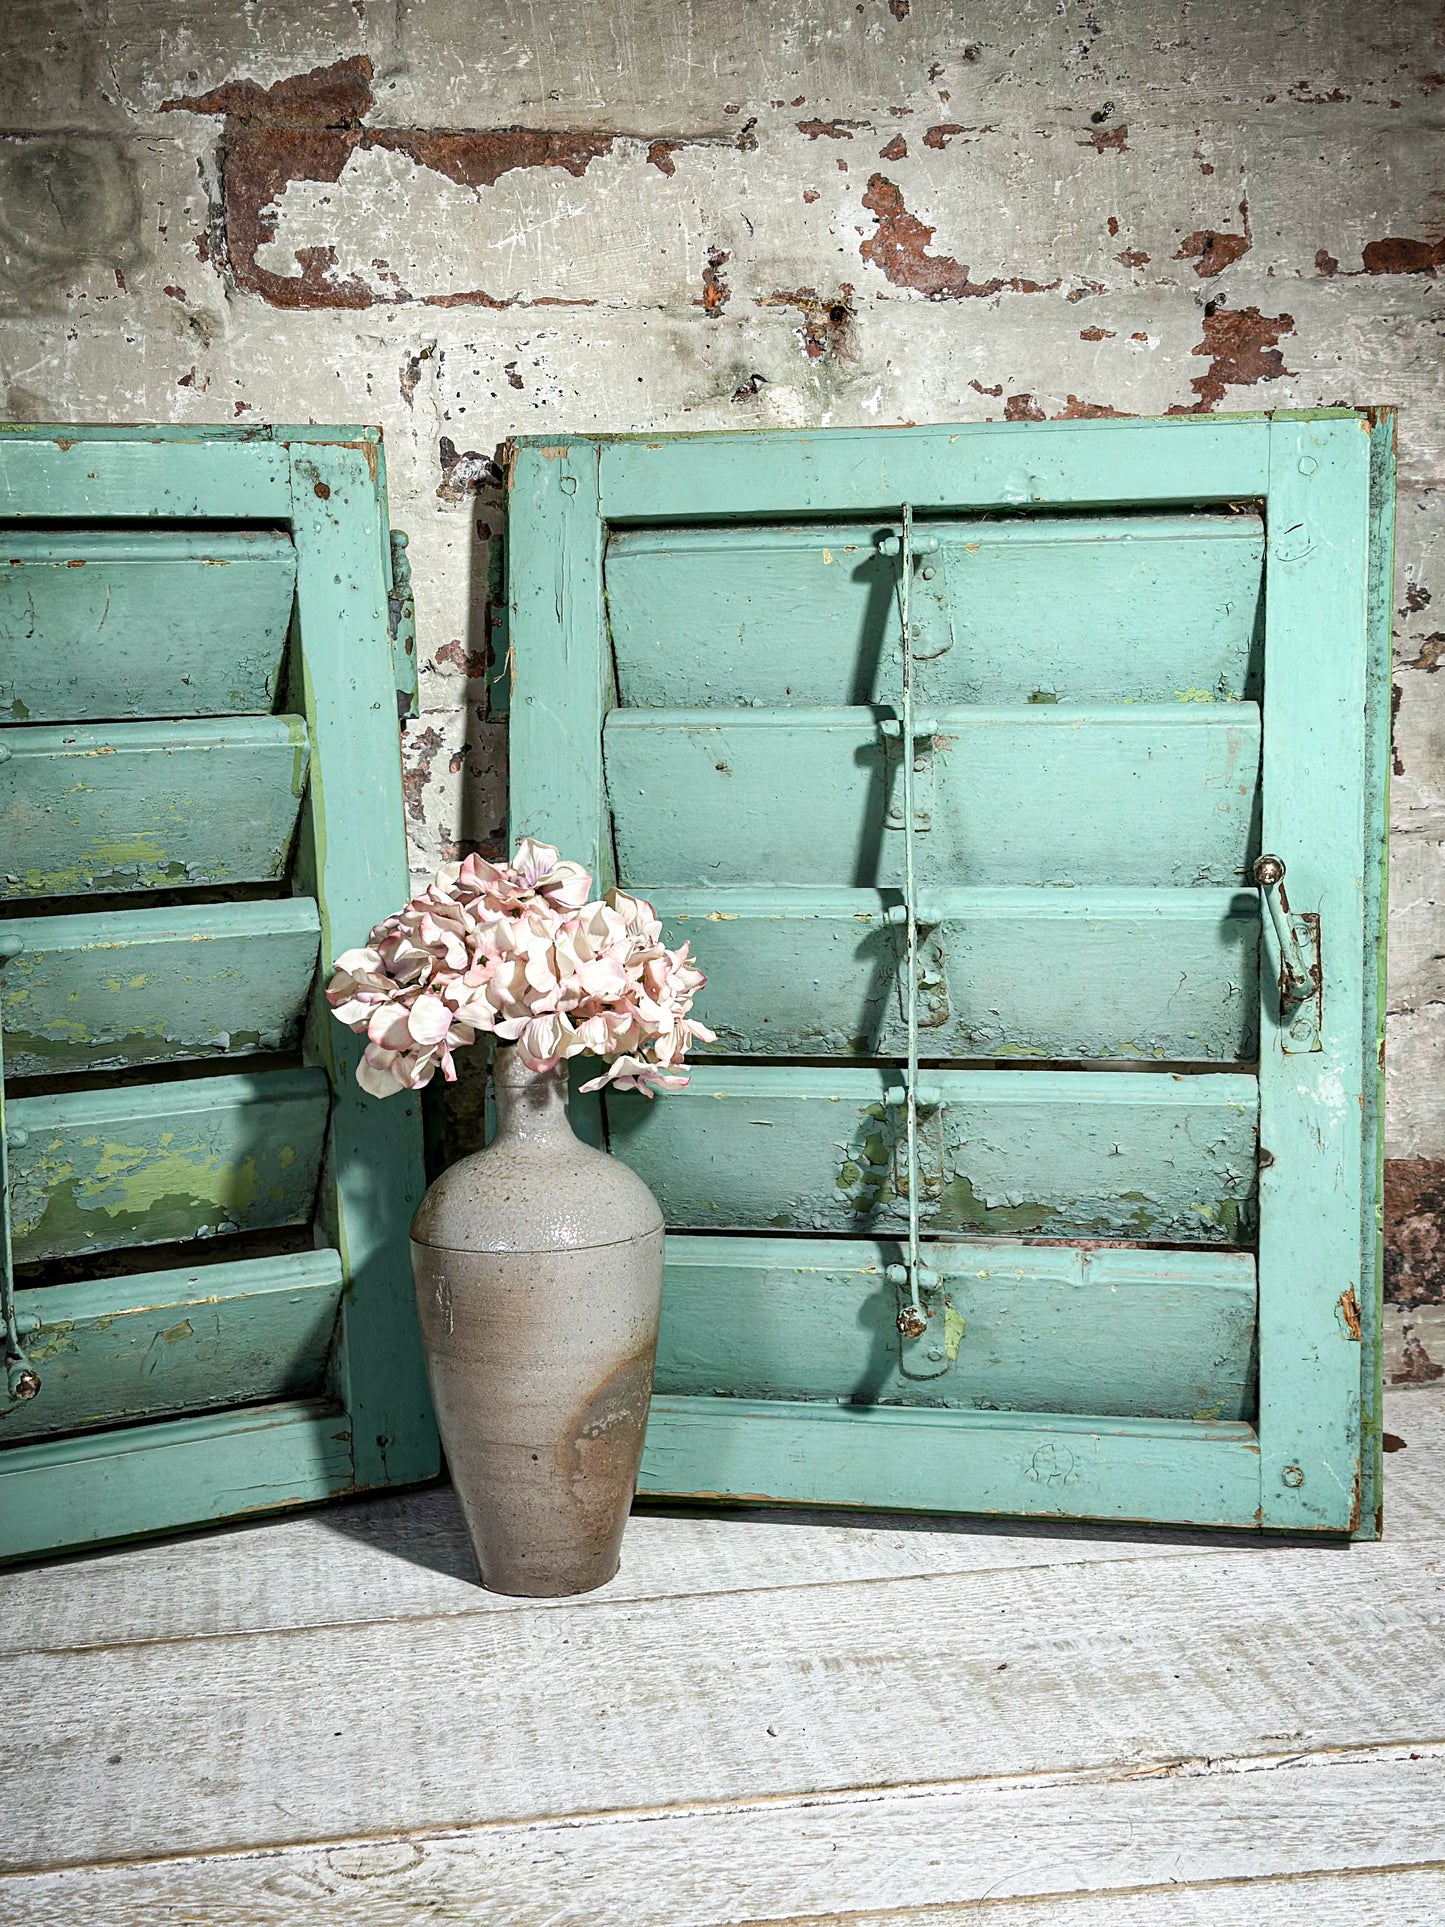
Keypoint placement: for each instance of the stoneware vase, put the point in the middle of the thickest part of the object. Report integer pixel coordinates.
(538, 1267)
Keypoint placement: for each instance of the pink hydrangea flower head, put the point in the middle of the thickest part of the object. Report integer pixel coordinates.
(521, 951)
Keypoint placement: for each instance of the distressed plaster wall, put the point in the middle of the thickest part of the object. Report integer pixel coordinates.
(463, 220)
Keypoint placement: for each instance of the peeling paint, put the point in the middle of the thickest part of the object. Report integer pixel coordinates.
(1415, 1231)
(309, 126)
(1396, 255)
(899, 250)
(1240, 346)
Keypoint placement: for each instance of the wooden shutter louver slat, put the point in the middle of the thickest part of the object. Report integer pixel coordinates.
(149, 806)
(200, 806)
(1141, 609)
(1168, 973)
(100, 623)
(707, 646)
(1056, 1154)
(117, 1350)
(1149, 1334)
(152, 1164)
(1141, 795)
(157, 986)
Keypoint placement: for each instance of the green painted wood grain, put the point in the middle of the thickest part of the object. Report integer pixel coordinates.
(103, 623)
(114, 1350)
(1158, 794)
(1170, 974)
(149, 806)
(151, 986)
(144, 1479)
(1181, 461)
(150, 1164)
(1140, 1155)
(352, 857)
(1064, 609)
(554, 592)
(1140, 1334)
(890, 1458)
(1314, 1221)
(141, 474)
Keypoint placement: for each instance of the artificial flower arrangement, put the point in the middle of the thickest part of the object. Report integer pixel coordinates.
(519, 951)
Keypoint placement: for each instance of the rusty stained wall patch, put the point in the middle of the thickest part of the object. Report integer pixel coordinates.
(310, 126)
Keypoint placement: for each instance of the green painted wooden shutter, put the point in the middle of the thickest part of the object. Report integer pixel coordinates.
(200, 805)
(1144, 654)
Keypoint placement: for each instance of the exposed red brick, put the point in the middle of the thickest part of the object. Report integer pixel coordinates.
(1022, 408)
(1102, 140)
(175, 293)
(833, 130)
(307, 127)
(1210, 251)
(418, 753)
(478, 158)
(896, 150)
(1096, 334)
(810, 194)
(1133, 258)
(1075, 410)
(1417, 1367)
(827, 320)
(939, 136)
(898, 8)
(1240, 346)
(1432, 649)
(1113, 225)
(715, 290)
(1325, 263)
(978, 385)
(1395, 255)
(899, 249)
(1415, 1231)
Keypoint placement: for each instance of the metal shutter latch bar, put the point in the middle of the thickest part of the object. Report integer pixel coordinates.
(1300, 979)
(913, 1276)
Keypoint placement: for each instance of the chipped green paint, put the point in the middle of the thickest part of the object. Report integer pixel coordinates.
(954, 1326)
(172, 1161)
(195, 803)
(56, 1336)
(116, 636)
(219, 980)
(120, 1349)
(1006, 1153)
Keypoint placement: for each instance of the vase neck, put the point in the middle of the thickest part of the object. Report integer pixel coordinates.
(531, 1105)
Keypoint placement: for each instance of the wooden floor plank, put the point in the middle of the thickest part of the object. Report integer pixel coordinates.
(405, 1556)
(948, 1853)
(207, 1744)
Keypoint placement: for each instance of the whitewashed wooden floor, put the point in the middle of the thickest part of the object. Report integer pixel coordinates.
(765, 1718)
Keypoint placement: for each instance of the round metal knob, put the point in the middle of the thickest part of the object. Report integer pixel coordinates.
(1269, 870)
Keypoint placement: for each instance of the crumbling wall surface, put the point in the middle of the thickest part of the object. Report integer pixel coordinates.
(464, 221)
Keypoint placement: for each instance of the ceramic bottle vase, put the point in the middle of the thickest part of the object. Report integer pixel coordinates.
(538, 1267)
